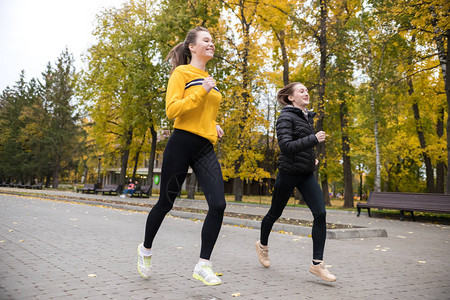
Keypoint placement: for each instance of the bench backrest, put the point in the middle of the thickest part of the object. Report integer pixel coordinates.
(110, 187)
(89, 186)
(144, 189)
(414, 201)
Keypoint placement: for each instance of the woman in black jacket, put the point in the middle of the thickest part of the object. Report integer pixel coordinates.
(296, 164)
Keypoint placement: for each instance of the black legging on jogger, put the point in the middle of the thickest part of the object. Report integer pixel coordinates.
(186, 149)
(312, 194)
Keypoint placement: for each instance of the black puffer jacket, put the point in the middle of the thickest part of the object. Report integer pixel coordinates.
(296, 138)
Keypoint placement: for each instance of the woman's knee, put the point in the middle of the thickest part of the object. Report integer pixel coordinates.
(218, 206)
(273, 216)
(163, 206)
(320, 215)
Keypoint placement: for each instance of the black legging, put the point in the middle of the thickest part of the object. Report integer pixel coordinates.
(312, 194)
(186, 149)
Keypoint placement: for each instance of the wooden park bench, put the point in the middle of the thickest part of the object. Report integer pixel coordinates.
(109, 188)
(411, 202)
(25, 185)
(144, 190)
(87, 188)
(37, 186)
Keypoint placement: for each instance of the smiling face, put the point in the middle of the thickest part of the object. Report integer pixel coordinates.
(203, 48)
(300, 96)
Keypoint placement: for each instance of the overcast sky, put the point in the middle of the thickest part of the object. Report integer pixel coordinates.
(35, 32)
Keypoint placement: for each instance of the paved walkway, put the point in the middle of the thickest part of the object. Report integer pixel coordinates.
(52, 249)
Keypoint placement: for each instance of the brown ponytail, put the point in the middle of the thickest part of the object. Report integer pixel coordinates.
(180, 54)
(285, 92)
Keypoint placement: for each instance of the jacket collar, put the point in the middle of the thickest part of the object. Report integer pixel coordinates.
(298, 111)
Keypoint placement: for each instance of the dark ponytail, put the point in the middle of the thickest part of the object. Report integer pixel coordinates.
(180, 54)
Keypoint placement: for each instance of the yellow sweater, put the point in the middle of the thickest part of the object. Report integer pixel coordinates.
(187, 102)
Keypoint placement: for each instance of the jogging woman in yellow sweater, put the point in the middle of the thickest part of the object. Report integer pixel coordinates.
(192, 99)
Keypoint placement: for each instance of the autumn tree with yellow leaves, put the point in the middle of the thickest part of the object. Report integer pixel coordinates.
(376, 72)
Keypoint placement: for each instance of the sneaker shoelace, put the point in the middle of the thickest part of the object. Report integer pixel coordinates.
(208, 270)
(207, 273)
(145, 260)
(264, 252)
(324, 268)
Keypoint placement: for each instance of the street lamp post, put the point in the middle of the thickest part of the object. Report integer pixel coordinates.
(98, 171)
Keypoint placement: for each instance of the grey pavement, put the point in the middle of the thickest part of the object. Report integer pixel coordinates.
(75, 247)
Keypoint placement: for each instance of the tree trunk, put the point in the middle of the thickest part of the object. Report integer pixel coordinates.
(246, 82)
(444, 59)
(237, 189)
(440, 166)
(298, 196)
(322, 38)
(373, 87)
(56, 172)
(441, 36)
(281, 38)
(47, 181)
(429, 171)
(418, 122)
(191, 186)
(347, 167)
(136, 158)
(85, 174)
(136, 161)
(125, 155)
(56, 177)
(377, 187)
(151, 160)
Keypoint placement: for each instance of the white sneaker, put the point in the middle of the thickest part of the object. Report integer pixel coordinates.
(144, 263)
(122, 196)
(203, 272)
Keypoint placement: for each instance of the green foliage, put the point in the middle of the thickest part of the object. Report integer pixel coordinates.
(122, 87)
(39, 125)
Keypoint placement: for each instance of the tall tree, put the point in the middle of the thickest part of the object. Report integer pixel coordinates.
(345, 16)
(419, 129)
(12, 153)
(241, 112)
(61, 135)
(323, 44)
(424, 25)
(430, 21)
(123, 81)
